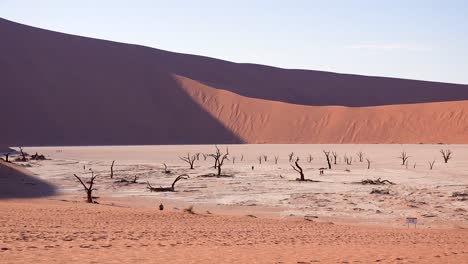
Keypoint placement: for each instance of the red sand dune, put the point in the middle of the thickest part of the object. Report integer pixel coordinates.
(262, 121)
(60, 89)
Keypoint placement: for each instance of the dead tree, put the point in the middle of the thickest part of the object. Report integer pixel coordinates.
(242, 157)
(327, 155)
(259, 158)
(310, 158)
(215, 156)
(189, 159)
(446, 154)
(88, 189)
(368, 163)
(167, 189)
(198, 155)
(233, 159)
(291, 155)
(221, 162)
(298, 168)
(404, 157)
(276, 159)
(335, 157)
(265, 158)
(23, 155)
(431, 164)
(218, 155)
(204, 156)
(166, 171)
(361, 156)
(112, 170)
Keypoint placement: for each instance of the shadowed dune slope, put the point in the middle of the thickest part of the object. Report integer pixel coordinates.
(17, 183)
(60, 89)
(66, 90)
(262, 121)
(4, 149)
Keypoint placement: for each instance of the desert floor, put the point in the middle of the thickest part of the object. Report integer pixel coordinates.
(261, 215)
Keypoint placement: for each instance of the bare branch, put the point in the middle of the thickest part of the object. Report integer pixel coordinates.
(404, 157)
(446, 154)
(327, 155)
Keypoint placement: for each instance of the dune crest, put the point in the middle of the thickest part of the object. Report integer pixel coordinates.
(263, 121)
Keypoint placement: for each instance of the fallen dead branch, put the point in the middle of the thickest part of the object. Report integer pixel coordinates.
(167, 189)
(376, 182)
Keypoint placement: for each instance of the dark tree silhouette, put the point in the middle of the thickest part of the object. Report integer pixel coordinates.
(189, 159)
(112, 170)
(327, 155)
(431, 164)
(446, 154)
(404, 157)
(298, 168)
(88, 189)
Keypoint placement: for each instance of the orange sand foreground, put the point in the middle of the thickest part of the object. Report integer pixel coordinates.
(45, 231)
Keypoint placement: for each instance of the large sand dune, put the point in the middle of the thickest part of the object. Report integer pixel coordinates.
(263, 121)
(60, 89)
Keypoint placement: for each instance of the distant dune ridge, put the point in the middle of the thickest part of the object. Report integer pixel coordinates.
(60, 89)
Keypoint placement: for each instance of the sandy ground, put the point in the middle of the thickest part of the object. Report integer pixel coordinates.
(261, 215)
(44, 231)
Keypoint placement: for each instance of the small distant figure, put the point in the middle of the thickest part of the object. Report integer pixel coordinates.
(321, 171)
(252, 167)
(161, 207)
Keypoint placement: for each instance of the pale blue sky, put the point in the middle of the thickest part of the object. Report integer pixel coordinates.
(417, 39)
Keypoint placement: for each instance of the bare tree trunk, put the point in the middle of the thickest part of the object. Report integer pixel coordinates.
(404, 157)
(112, 170)
(446, 154)
(298, 169)
(23, 154)
(431, 164)
(88, 189)
(335, 157)
(327, 155)
(368, 163)
(189, 159)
